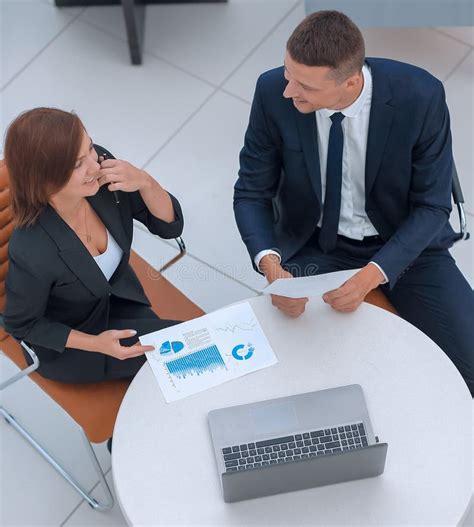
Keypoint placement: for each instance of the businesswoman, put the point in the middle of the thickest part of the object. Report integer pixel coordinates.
(70, 291)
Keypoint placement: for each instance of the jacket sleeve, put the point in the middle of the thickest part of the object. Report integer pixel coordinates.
(27, 287)
(141, 213)
(162, 228)
(257, 184)
(430, 192)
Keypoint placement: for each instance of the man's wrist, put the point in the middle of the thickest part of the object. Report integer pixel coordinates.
(375, 275)
(269, 264)
(258, 257)
(382, 272)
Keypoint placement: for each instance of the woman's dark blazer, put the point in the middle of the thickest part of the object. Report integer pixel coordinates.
(54, 285)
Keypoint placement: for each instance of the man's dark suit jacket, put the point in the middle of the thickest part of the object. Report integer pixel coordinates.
(54, 285)
(277, 200)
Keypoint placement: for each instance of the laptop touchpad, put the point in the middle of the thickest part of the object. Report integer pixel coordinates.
(274, 419)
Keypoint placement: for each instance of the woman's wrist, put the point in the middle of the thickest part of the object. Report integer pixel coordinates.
(157, 200)
(83, 341)
(147, 181)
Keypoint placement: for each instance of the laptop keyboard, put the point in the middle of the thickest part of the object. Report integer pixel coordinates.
(294, 447)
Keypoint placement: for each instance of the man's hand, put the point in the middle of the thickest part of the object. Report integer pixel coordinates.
(351, 294)
(272, 269)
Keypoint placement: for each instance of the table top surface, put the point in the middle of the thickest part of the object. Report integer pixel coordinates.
(417, 401)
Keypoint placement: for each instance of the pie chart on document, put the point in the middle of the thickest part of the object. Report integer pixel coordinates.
(168, 347)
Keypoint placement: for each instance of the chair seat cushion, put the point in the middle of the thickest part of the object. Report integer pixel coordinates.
(377, 298)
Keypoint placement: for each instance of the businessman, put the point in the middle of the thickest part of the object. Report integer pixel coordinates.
(347, 163)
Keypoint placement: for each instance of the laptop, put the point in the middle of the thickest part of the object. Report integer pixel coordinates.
(294, 443)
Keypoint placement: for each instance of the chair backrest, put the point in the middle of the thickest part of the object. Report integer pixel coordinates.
(94, 406)
(6, 229)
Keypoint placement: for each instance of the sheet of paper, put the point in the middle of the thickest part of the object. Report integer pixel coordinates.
(207, 351)
(308, 285)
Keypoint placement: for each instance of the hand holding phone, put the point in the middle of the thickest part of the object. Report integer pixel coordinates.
(103, 157)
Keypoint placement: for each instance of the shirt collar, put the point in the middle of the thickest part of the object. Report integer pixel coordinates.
(356, 107)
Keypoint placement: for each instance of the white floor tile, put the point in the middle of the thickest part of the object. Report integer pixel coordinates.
(86, 516)
(200, 167)
(459, 93)
(202, 284)
(131, 110)
(109, 19)
(422, 47)
(269, 55)
(209, 40)
(33, 493)
(26, 27)
(463, 33)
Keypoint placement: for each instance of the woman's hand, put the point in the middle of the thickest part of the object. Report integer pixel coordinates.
(121, 175)
(108, 342)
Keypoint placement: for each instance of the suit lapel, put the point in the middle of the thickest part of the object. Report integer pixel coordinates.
(74, 253)
(109, 212)
(380, 122)
(309, 139)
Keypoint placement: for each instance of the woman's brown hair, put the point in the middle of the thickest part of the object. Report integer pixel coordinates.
(41, 148)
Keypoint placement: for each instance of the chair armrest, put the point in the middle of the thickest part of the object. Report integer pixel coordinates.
(463, 234)
(25, 371)
(182, 252)
(458, 199)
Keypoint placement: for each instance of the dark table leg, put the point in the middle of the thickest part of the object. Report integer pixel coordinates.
(70, 3)
(134, 14)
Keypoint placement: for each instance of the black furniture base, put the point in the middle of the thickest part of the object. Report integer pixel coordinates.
(71, 3)
(134, 14)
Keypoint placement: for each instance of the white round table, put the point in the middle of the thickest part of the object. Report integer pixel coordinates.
(163, 463)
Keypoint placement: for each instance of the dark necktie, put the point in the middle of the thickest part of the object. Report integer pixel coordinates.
(332, 199)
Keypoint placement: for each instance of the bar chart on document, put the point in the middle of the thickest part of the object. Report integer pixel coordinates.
(207, 351)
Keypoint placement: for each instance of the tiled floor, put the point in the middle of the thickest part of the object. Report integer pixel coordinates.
(182, 116)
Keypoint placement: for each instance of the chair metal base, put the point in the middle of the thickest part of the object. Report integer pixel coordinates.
(34, 363)
(109, 500)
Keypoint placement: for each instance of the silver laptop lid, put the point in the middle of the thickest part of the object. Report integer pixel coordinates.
(241, 428)
(288, 415)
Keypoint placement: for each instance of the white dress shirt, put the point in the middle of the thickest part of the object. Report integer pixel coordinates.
(109, 260)
(353, 220)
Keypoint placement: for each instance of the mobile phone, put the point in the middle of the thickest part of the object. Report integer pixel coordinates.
(116, 194)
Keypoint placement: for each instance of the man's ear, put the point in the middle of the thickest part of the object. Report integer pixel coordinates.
(353, 80)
